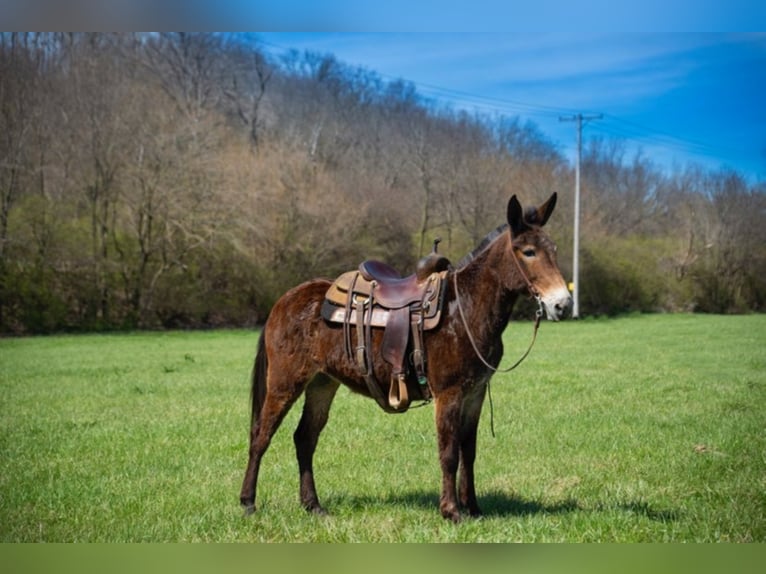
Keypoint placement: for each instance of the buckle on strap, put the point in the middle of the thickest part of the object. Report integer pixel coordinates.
(540, 311)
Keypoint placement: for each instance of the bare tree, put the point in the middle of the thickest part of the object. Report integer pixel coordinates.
(734, 253)
(619, 193)
(187, 179)
(96, 128)
(246, 89)
(20, 63)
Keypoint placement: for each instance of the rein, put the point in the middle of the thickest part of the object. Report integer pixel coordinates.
(538, 316)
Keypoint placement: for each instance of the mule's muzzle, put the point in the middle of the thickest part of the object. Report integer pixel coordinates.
(557, 305)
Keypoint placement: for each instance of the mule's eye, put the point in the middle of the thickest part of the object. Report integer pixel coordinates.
(528, 252)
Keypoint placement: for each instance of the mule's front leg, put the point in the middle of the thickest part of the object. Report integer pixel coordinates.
(467, 489)
(471, 412)
(447, 410)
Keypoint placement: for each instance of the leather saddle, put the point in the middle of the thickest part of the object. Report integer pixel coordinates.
(376, 296)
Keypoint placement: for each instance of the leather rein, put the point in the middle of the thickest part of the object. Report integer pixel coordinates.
(538, 316)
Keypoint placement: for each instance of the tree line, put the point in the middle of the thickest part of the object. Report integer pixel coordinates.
(188, 179)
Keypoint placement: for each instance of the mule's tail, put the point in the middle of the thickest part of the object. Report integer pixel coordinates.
(260, 368)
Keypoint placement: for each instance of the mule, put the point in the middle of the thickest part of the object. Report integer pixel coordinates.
(299, 352)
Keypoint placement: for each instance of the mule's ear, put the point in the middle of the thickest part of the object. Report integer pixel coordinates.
(515, 216)
(545, 210)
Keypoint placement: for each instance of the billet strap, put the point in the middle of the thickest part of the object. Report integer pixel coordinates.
(418, 354)
(361, 358)
(418, 357)
(346, 322)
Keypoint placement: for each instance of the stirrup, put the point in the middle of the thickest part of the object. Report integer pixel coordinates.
(398, 398)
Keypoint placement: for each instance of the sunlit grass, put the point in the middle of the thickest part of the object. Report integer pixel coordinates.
(649, 428)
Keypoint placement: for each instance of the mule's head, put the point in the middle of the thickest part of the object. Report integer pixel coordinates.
(535, 253)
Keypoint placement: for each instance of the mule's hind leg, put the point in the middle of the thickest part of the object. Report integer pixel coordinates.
(316, 409)
(273, 411)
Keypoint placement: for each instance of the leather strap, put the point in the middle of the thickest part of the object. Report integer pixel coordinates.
(347, 321)
(360, 347)
(419, 357)
(538, 317)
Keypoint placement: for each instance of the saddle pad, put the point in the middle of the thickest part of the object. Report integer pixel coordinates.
(336, 314)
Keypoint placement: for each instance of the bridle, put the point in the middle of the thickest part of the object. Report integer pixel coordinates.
(538, 317)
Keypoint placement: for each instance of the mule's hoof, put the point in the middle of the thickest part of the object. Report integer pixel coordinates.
(317, 510)
(249, 509)
(452, 514)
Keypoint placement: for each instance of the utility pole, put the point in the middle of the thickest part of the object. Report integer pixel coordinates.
(579, 118)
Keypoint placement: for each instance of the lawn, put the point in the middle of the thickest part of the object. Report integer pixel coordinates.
(646, 428)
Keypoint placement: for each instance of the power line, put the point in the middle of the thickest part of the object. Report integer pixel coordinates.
(613, 125)
(632, 130)
(495, 104)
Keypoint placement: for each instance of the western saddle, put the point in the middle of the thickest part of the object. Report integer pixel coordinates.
(376, 296)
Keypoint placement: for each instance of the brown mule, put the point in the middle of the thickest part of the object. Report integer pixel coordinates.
(300, 352)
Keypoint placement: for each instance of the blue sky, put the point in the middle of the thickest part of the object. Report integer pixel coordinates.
(679, 97)
(669, 76)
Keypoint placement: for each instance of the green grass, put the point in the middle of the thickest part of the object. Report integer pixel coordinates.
(649, 428)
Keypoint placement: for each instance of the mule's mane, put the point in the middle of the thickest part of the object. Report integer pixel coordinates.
(486, 242)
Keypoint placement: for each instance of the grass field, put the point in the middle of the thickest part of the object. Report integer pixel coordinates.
(649, 428)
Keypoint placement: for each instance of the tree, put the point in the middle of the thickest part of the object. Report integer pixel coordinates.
(729, 272)
(187, 179)
(246, 87)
